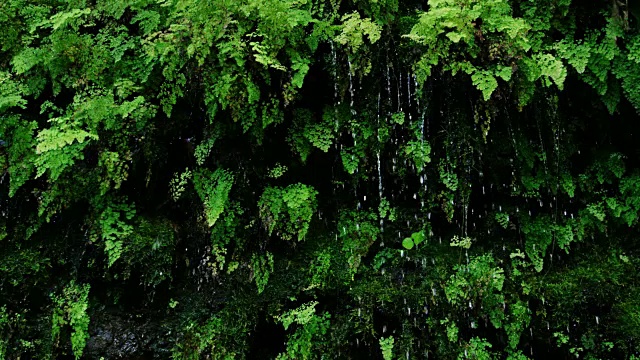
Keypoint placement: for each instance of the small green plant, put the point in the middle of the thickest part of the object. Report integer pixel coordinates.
(71, 309)
(502, 219)
(288, 210)
(310, 332)
(415, 239)
(461, 242)
(262, 267)
(178, 184)
(386, 346)
(213, 188)
(277, 171)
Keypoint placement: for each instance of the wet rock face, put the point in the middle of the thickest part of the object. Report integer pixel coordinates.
(116, 337)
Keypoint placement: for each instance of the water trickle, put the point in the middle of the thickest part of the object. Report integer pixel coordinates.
(409, 89)
(351, 91)
(399, 79)
(334, 65)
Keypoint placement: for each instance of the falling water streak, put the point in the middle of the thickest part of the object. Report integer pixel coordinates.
(399, 86)
(544, 157)
(422, 114)
(351, 91)
(380, 171)
(415, 86)
(388, 82)
(556, 139)
(335, 83)
(409, 89)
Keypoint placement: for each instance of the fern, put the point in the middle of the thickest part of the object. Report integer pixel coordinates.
(485, 82)
(71, 308)
(213, 189)
(115, 228)
(386, 346)
(262, 266)
(289, 210)
(354, 29)
(311, 329)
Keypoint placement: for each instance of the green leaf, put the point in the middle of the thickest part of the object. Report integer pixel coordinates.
(485, 82)
(418, 237)
(407, 243)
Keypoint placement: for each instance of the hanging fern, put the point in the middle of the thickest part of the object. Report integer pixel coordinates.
(213, 189)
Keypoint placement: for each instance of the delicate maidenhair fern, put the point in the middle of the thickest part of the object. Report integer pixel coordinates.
(302, 315)
(539, 236)
(213, 189)
(288, 210)
(20, 154)
(502, 219)
(10, 93)
(310, 331)
(349, 160)
(386, 346)
(277, 171)
(355, 28)
(262, 267)
(59, 146)
(71, 309)
(485, 82)
(115, 227)
(178, 184)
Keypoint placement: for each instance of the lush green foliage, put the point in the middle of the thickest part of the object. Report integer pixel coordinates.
(298, 179)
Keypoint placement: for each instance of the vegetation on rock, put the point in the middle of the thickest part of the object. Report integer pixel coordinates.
(299, 179)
